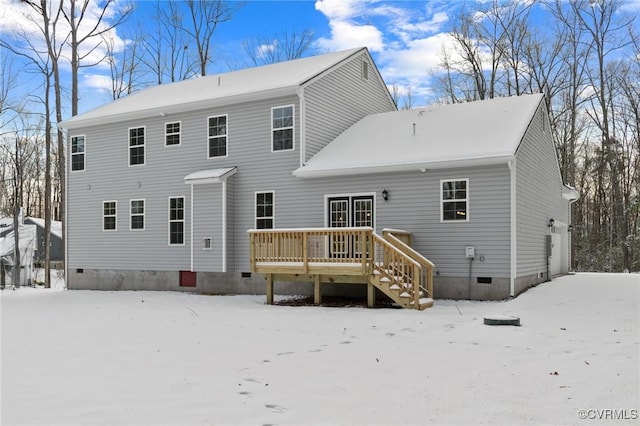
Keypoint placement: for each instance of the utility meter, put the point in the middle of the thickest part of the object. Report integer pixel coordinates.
(470, 252)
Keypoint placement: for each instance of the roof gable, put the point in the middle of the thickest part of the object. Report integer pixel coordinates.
(474, 133)
(243, 85)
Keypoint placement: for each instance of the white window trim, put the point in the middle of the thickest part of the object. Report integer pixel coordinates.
(114, 215)
(144, 146)
(84, 163)
(167, 134)
(144, 213)
(273, 208)
(293, 128)
(442, 201)
(226, 136)
(169, 221)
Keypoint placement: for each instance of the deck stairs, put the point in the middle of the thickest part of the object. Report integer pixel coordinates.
(399, 291)
(399, 271)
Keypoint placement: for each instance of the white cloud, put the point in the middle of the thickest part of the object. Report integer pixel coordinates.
(405, 38)
(346, 35)
(20, 22)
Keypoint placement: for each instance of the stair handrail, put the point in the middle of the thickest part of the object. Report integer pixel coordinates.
(418, 257)
(416, 273)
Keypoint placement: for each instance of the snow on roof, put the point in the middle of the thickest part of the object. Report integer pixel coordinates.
(209, 176)
(474, 133)
(248, 84)
(27, 243)
(56, 226)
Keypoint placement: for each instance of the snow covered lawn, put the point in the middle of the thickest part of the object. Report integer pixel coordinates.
(161, 358)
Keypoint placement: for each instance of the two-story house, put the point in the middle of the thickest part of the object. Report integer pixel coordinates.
(163, 185)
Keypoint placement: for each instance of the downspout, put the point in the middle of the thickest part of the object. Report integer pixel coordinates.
(191, 226)
(513, 228)
(303, 147)
(224, 226)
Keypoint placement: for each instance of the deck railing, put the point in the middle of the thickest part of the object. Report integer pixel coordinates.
(342, 251)
(307, 247)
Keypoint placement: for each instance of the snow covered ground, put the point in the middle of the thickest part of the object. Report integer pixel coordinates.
(162, 358)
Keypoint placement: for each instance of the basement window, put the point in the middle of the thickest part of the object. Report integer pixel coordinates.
(484, 280)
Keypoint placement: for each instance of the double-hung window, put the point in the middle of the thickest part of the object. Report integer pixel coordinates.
(137, 214)
(109, 214)
(454, 198)
(282, 128)
(77, 153)
(264, 210)
(176, 221)
(136, 146)
(172, 133)
(218, 136)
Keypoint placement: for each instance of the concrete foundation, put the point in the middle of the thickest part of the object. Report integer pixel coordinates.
(458, 288)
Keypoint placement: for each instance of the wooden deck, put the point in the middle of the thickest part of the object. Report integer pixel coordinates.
(344, 255)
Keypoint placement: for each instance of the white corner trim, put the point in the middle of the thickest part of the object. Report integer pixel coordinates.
(224, 226)
(513, 228)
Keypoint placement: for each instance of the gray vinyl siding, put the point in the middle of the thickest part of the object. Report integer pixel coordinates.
(207, 223)
(339, 99)
(108, 177)
(231, 224)
(538, 196)
(414, 205)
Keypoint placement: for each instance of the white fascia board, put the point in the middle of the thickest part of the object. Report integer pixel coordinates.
(210, 176)
(406, 167)
(167, 111)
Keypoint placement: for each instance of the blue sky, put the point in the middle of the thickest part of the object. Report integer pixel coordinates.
(404, 37)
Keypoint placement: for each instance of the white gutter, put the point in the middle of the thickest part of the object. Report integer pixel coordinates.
(310, 172)
(513, 228)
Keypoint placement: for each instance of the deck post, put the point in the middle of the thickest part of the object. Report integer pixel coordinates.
(317, 295)
(269, 289)
(416, 287)
(371, 295)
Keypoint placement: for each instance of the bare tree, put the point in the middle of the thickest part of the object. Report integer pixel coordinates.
(205, 17)
(284, 46)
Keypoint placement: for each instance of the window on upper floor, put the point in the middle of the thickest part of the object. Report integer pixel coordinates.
(454, 200)
(136, 146)
(77, 153)
(136, 211)
(218, 136)
(172, 133)
(264, 210)
(176, 221)
(109, 214)
(282, 128)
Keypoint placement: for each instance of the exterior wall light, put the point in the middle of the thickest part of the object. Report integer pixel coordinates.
(385, 195)
(551, 222)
